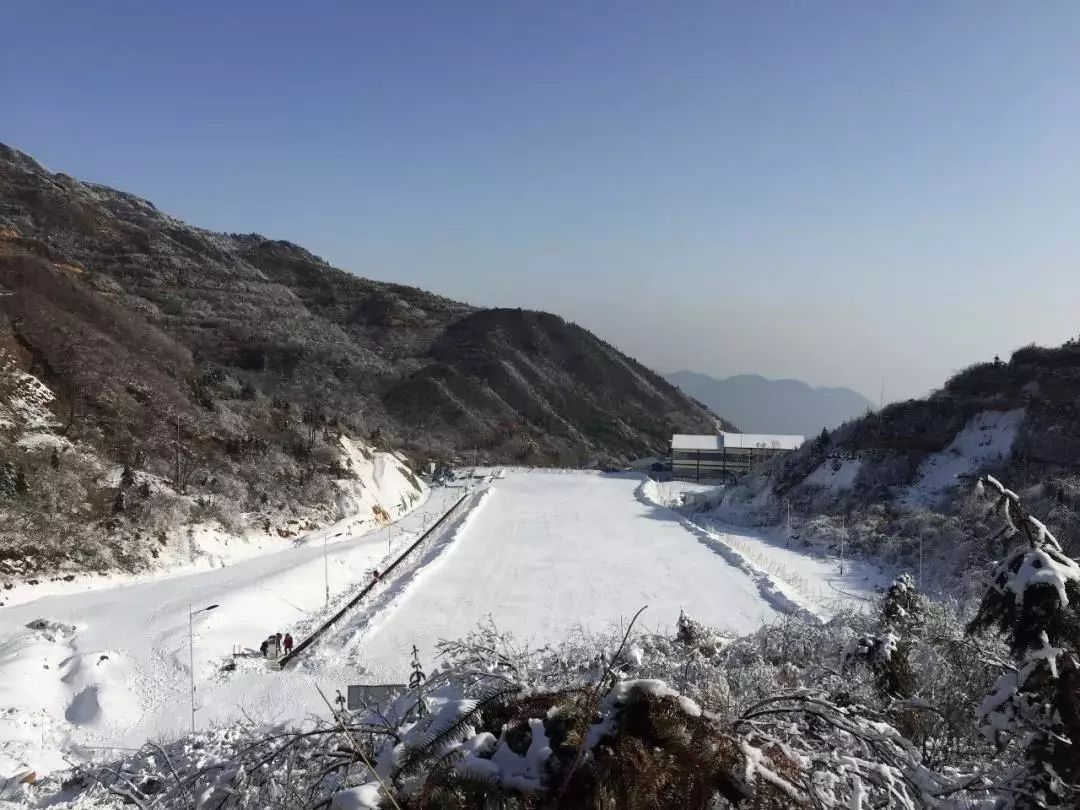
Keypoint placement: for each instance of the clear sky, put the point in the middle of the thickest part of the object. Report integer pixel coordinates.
(843, 192)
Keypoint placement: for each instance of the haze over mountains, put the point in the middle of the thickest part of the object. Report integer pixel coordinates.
(759, 405)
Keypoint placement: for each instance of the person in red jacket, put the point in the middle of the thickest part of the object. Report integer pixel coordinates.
(288, 643)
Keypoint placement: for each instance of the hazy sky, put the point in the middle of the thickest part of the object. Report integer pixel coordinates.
(839, 192)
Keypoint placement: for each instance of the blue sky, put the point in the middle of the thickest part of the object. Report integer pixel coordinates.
(840, 192)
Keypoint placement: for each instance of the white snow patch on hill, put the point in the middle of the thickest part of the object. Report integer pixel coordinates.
(24, 399)
(380, 488)
(986, 438)
(835, 475)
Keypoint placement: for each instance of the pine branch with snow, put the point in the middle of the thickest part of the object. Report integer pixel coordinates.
(1033, 601)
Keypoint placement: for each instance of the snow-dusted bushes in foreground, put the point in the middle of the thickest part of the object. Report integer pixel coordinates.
(695, 720)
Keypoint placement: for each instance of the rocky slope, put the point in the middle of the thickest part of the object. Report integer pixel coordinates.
(905, 477)
(229, 364)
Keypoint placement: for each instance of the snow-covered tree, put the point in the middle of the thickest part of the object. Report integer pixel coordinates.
(886, 652)
(1033, 601)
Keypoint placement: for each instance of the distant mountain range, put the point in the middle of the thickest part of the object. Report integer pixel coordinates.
(758, 405)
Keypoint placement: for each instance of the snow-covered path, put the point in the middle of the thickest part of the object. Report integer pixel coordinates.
(109, 667)
(548, 552)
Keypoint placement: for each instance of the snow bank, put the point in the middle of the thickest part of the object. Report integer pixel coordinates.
(380, 488)
(987, 438)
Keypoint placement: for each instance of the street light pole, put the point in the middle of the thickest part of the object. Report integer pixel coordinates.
(191, 654)
(326, 571)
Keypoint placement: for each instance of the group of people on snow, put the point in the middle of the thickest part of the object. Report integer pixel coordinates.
(276, 643)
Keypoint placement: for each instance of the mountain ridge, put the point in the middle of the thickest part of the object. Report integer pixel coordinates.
(229, 365)
(761, 405)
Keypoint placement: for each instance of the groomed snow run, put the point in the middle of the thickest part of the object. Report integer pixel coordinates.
(549, 553)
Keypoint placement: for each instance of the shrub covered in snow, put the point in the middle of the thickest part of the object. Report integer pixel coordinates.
(1033, 600)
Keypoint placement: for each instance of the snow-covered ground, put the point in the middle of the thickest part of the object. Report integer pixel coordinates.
(548, 553)
(788, 574)
(109, 666)
(544, 552)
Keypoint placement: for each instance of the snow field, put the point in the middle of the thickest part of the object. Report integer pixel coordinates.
(87, 669)
(547, 554)
(553, 553)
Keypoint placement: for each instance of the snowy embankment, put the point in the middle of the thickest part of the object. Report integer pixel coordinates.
(378, 488)
(90, 666)
(794, 583)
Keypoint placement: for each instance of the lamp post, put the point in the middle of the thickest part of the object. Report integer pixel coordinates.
(191, 654)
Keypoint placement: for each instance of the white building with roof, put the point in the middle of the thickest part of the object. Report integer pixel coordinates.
(725, 456)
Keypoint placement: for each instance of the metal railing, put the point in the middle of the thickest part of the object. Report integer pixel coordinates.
(321, 630)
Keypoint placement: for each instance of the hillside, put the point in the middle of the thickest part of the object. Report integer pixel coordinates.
(907, 473)
(759, 405)
(228, 365)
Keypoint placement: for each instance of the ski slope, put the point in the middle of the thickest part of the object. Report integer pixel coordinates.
(549, 552)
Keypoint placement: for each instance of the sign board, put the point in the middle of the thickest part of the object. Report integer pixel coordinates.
(375, 697)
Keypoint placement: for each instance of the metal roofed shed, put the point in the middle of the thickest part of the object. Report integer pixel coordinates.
(725, 456)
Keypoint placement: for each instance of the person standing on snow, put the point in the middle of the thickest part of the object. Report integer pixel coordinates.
(288, 643)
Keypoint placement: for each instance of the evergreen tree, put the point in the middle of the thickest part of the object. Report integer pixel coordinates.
(21, 485)
(119, 504)
(54, 459)
(127, 478)
(8, 477)
(887, 653)
(823, 439)
(1033, 601)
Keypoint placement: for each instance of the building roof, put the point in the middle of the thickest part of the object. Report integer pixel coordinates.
(683, 441)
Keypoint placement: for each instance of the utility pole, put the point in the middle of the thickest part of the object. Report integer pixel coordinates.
(920, 563)
(178, 453)
(843, 535)
(326, 571)
(191, 652)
